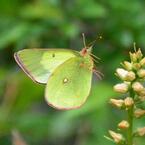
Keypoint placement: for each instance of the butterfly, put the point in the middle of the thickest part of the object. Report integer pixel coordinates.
(66, 73)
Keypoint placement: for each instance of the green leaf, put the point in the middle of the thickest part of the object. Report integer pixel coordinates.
(12, 34)
(90, 9)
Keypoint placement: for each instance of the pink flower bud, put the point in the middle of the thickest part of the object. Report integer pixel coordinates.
(136, 66)
(141, 131)
(127, 65)
(125, 75)
(117, 103)
(137, 86)
(128, 102)
(141, 73)
(142, 98)
(139, 54)
(123, 124)
(117, 137)
(133, 57)
(142, 62)
(121, 88)
(130, 76)
(139, 113)
(122, 73)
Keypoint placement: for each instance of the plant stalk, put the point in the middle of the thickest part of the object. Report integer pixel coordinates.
(130, 121)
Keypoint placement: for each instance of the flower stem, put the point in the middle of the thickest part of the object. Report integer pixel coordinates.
(130, 121)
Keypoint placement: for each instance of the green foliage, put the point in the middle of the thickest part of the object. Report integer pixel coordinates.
(54, 23)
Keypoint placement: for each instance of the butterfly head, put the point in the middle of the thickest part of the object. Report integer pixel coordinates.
(86, 51)
(87, 48)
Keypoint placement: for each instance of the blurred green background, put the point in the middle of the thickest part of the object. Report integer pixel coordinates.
(59, 24)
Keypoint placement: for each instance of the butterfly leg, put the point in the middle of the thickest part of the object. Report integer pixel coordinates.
(97, 73)
(94, 70)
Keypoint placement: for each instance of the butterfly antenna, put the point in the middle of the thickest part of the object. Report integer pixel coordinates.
(84, 40)
(93, 42)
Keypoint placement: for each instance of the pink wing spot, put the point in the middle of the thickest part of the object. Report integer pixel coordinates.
(82, 64)
(85, 66)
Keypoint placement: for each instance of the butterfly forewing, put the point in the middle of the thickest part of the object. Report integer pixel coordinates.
(69, 85)
(38, 64)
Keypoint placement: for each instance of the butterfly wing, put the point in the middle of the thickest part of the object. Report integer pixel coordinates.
(38, 64)
(69, 85)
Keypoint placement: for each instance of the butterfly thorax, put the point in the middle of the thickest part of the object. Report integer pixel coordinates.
(86, 60)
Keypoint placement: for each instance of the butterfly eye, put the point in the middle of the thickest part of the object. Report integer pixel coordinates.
(65, 80)
(53, 55)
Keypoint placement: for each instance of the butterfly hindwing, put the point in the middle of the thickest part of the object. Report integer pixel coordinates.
(69, 85)
(38, 64)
